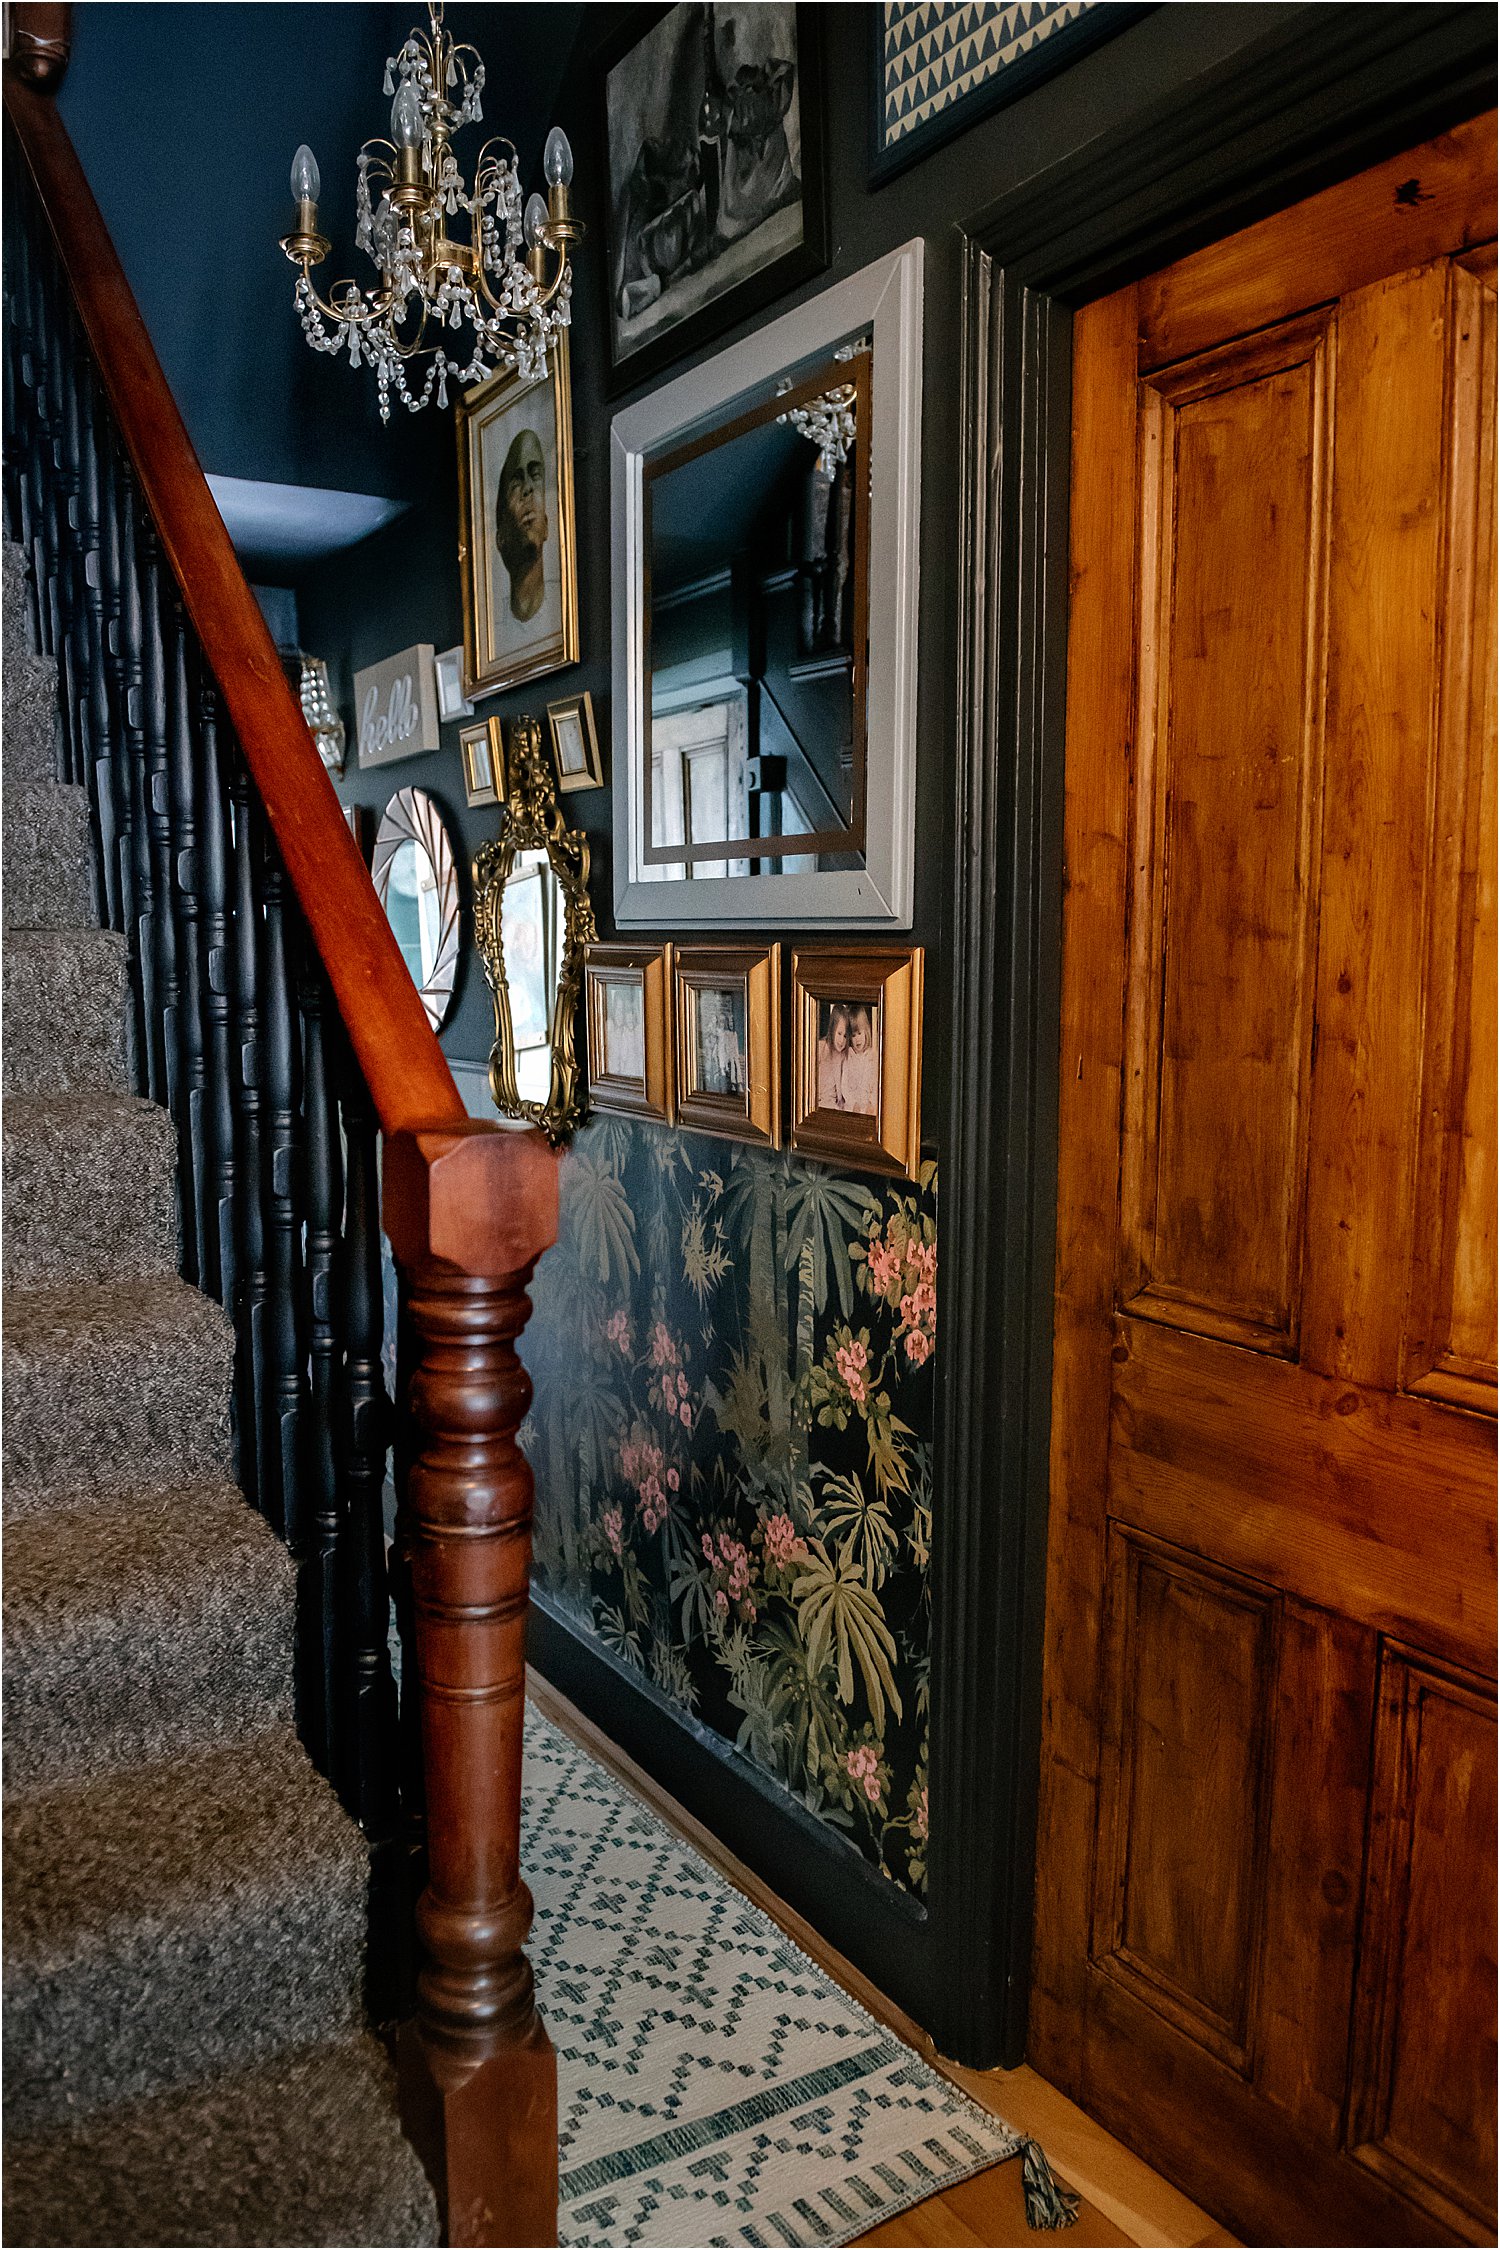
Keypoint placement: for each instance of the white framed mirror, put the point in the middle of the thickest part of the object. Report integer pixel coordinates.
(765, 513)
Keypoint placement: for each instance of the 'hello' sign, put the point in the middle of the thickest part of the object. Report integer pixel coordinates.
(395, 707)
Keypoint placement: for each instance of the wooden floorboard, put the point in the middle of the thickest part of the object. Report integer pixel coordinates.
(1123, 2199)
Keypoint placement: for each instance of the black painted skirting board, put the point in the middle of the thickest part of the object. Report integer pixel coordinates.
(878, 1926)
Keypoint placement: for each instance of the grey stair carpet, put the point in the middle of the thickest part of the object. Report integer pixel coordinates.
(65, 998)
(90, 1188)
(185, 2053)
(304, 2149)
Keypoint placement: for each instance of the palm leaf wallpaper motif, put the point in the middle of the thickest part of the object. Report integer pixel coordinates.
(732, 1352)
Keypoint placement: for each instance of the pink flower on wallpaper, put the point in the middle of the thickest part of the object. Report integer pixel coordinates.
(617, 1329)
(919, 1818)
(685, 1415)
(673, 1480)
(851, 1360)
(921, 1259)
(918, 1347)
(863, 1768)
(721, 1602)
(614, 1531)
(783, 1546)
(640, 1458)
(885, 1264)
(664, 1351)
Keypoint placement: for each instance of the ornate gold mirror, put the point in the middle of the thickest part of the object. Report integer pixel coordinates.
(533, 924)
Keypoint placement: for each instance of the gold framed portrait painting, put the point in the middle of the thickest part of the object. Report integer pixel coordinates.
(516, 542)
(857, 1057)
(627, 1011)
(726, 1032)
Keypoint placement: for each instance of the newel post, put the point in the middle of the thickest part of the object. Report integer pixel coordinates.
(469, 1209)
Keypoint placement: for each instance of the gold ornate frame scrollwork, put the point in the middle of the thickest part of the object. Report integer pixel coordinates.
(531, 820)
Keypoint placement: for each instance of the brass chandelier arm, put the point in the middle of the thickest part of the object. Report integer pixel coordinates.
(508, 285)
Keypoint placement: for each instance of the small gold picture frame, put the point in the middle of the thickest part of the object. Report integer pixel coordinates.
(575, 744)
(857, 1057)
(726, 1032)
(482, 747)
(628, 1008)
(517, 548)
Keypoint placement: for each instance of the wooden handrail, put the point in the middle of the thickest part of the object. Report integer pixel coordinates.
(403, 1065)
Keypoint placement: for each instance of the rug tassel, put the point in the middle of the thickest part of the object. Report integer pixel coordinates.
(1049, 2205)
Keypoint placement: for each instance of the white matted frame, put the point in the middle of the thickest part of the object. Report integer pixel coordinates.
(884, 301)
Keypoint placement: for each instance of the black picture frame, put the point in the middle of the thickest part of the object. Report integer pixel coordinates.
(800, 263)
(1061, 47)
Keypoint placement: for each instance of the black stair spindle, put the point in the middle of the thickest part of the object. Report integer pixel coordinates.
(12, 269)
(215, 851)
(188, 1074)
(43, 543)
(325, 1198)
(100, 727)
(249, 1231)
(369, 1778)
(149, 1066)
(162, 934)
(283, 1485)
(73, 612)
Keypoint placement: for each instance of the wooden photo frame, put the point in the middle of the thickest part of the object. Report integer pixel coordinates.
(726, 1039)
(857, 1057)
(517, 544)
(628, 1019)
(697, 236)
(575, 743)
(481, 746)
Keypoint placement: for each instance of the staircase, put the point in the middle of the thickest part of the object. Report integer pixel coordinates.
(186, 2053)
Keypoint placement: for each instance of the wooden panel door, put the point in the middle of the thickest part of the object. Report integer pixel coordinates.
(1265, 1895)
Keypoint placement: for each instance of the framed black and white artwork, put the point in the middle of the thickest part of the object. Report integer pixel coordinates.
(717, 196)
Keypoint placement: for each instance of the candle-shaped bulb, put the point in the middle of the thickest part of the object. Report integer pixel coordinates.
(557, 163)
(406, 116)
(536, 220)
(305, 181)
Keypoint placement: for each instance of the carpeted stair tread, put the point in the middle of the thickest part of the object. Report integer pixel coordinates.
(305, 2149)
(139, 1628)
(47, 858)
(28, 719)
(111, 1388)
(16, 642)
(90, 1189)
(66, 996)
(185, 1916)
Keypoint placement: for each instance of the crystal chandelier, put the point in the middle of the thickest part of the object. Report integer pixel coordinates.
(467, 306)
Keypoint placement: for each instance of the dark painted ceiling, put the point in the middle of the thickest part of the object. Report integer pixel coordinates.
(186, 118)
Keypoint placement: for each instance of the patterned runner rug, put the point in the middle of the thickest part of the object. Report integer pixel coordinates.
(714, 2086)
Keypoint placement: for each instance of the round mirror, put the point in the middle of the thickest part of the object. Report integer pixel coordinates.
(416, 882)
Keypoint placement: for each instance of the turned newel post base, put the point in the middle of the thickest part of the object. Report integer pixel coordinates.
(469, 1210)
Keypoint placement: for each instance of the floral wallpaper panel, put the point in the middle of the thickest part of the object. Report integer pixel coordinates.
(732, 1439)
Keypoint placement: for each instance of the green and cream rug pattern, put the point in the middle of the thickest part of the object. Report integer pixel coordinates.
(714, 2086)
